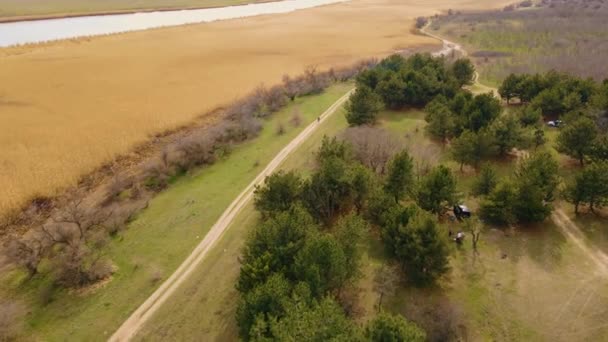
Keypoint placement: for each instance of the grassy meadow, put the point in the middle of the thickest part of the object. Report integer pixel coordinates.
(565, 36)
(67, 107)
(523, 285)
(160, 238)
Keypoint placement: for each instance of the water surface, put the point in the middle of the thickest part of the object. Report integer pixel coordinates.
(37, 31)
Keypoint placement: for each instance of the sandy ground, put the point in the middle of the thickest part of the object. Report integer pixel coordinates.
(66, 107)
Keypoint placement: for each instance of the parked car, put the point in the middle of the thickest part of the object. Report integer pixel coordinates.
(461, 211)
(555, 123)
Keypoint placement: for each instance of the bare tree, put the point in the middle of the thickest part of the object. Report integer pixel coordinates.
(386, 281)
(373, 147)
(474, 227)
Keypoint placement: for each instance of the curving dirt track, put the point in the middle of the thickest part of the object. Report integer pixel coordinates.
(128, 329)
(568, 228)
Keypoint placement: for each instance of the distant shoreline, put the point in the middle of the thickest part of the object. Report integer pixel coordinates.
(23, 18)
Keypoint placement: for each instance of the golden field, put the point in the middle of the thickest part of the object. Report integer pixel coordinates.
(67, 107)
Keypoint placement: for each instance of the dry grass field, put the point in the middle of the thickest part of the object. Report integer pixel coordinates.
(67, 107)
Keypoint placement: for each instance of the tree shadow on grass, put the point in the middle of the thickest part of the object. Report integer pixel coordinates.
(543, 243)
(594, 227)
(432, 310)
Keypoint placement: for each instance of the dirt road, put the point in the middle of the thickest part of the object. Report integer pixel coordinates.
(568, 228)
(573, 232)
(128, 329)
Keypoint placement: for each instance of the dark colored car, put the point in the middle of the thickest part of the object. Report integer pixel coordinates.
(461, 211)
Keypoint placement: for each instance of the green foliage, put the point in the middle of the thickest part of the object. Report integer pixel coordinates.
(440, 119)
(324, 321)
(280, 192)
(393, 228)
(541, 170)
(363, 107)
(599, 149)
(414, 81)
(590, 187)
(322, 265)
(528, 197)
(330, 190)
(497, 208)
(393, 328)
(510, 87)
(262, 305)
(333, 148)
(574, 139)
(422, 249)
(362, 182)
(349, 233)
(273, 246)
(530, 115)
(551, 94)
(380, 204)
(486, 181)
(471, 148)
(437, 190)
(392, 91)
(464, 71)
(539, 137)
(482, 111)
(400, 178)
(506, 133)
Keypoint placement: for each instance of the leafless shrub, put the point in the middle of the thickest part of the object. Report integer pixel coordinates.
(296, 118)
(490, 54)
(280, 129)
(156, 274)
(74, 234)
(421, 22)
(12, 315)
(27, 251)
(526, 3)
(116, 186)
(372, 146)
(566, 36)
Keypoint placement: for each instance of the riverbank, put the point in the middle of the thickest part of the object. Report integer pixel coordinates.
(68, 107)
(66, 13)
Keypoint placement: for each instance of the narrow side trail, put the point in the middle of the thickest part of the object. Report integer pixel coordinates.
(568, 228)
(137, 319)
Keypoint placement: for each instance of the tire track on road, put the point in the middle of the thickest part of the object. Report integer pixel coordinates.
(141, 315)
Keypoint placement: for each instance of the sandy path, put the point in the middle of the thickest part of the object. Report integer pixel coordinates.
(137, 319)
(573, 232)
(568, 228)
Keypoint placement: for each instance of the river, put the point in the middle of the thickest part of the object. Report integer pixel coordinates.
(37, 31)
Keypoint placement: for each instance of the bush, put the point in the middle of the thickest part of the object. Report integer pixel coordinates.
(421, 22)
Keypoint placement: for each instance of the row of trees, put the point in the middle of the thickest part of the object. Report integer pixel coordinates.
(398, 82)
(299, 263)
(71, 241)
(583, 107)
(582, 104)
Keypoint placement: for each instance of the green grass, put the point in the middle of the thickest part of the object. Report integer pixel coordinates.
(12, 8)
(161, 237)
(514, 298)
(203, 308)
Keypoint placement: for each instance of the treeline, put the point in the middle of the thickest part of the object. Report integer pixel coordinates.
(398, 82)
(476, 130)
(582, 107)
(67, 247)
(303, 259)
